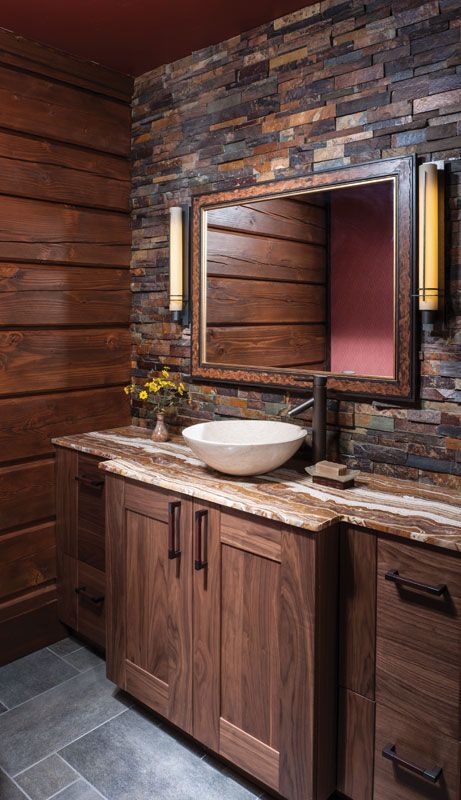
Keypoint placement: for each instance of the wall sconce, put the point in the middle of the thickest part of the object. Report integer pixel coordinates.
(431, 239)
(179, 264)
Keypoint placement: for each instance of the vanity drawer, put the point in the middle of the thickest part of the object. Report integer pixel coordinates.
(91, 602)
(91, 512)
(418, 643)
(411, 749)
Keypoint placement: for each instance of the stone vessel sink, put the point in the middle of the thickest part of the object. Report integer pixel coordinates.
(244, 447)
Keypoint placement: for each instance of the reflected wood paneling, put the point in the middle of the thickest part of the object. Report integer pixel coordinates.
(54, 359)
(232, 254)
(280, 218)
(64, 199)
(235, 301)
(275, 345)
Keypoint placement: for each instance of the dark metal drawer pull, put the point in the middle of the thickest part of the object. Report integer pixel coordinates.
(431, 775)
(393, 575)
(173, 529)
(200, 516)
(92, 598)
(91, 483)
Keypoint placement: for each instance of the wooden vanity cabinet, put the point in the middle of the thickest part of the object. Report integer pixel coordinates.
(80, 531)
(225, 624)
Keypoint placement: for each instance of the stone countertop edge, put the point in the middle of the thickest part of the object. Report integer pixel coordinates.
(426, 514)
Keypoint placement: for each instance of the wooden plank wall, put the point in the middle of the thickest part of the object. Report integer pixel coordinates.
(266, 296)
(64, 301)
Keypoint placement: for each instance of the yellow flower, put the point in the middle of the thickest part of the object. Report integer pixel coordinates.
(165, 372)
(129, 389)
(143, 395)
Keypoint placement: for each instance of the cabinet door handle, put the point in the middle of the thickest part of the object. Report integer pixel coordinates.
(431, 775)
(90, 483)
(393, 575)
(96, 599)
(173, 529)
(201, 523)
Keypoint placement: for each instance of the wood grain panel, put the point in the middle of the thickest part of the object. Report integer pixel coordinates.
(207, 627)
(34, 57)
(31, 104)
(67, 583)
(297, 649)
(66, 470)
(27, 558)
(146, 501)
(424, 747)
(147, 688)
(52, 359)
(26, 493)
(262, 538)
(64, 199)
(357, 611)
(418, 639)
(29, 623)
(250, 754)
(232, 254)
(27, 424)
(267, 345)
(250, 658)
(240, 302)
(279, 218)
(61, 185)
(356, 734)
(42, 151)
(91, 512)
(116, 580)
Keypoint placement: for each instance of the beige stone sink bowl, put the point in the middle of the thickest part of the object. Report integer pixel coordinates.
(244, 447)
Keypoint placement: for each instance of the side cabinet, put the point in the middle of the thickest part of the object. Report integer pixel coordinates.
(80, 532)
(225, 624)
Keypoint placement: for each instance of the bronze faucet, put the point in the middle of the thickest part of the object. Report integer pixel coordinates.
(318, 402)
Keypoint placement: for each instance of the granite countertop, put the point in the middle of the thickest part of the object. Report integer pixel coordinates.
(414, 511)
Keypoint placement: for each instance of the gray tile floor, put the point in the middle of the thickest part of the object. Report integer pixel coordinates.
(66, 732)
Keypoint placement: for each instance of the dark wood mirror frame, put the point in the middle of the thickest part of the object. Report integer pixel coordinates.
(399, 389)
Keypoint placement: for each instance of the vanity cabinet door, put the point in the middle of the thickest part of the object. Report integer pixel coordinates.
(256, 655)
(159, 602)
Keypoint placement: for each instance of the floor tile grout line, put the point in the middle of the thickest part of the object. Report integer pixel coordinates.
(80, 647)
(77, 779)
(58, 752)
(94, 788)
(51, 689)
(64, 659)
(16, 784)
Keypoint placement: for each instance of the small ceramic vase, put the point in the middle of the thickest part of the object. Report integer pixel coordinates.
(160, 432)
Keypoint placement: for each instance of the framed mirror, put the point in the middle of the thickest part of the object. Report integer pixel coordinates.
(309, 275)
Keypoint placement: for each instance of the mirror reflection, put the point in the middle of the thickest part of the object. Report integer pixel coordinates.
(303, 282)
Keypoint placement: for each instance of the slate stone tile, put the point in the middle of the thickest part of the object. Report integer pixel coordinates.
(2, 708)
(83, 659)
(50, 721)
(66, 646)
(78, 791)
(8, 790)
(131, 757)
(46, 778)
(29, 676)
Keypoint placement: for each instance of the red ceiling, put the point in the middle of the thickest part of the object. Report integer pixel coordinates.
(133, 36)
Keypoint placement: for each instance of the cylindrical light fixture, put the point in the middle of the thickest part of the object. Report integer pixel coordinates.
(430, 239)
(176, 262)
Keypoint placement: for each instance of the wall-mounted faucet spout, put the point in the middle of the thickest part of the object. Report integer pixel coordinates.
(318, 402)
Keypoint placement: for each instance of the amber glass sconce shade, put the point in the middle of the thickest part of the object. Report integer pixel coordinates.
(431, 239)
(179, 264)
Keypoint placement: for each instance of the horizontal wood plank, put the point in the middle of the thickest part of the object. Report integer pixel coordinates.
(46, 360)
(27, 558)
(29, 623)
(241, 255)
(61, 278)
(43, 151)
(60, 308)
(45, 60)
(26, 493)
(267, 345)
(239, 302)
(61, 184)
(27, 424)
(147, 688)
(32, 104)
(247, 533)
(250, 754)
